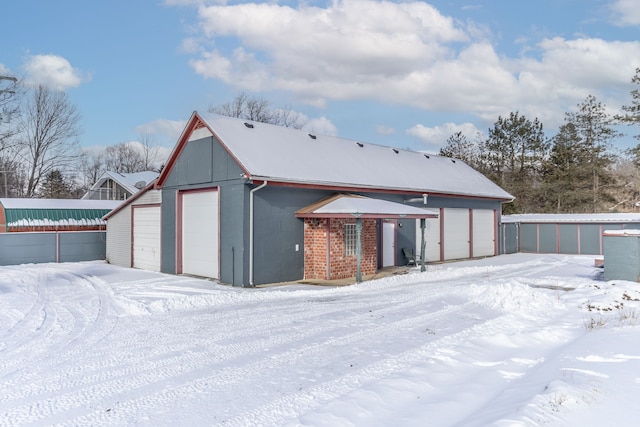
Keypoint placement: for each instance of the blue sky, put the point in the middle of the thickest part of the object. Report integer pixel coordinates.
(405, 74)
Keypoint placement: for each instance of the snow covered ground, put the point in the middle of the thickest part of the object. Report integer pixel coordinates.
(516, 340)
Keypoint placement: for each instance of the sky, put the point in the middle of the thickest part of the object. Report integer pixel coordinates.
(514, 340)
(404, 74)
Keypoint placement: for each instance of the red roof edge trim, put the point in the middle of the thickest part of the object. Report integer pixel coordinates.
(130, 200)
(195, 122)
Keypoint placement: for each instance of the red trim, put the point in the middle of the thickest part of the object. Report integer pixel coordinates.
(179, 207)
(130, 200)
(340, 188)
(133, 224)
(364, 216)
(194, 123)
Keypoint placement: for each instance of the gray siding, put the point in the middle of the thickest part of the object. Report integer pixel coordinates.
(590, 236)
(68, 246)
(568, 238)
(118, 246)
(621, 258)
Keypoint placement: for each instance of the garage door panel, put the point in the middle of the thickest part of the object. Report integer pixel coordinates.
(146, 238)
(483, 232)
(200, 218)
(456, 233)
(432, 239)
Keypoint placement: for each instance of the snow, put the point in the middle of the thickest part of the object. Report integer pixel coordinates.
(514, 340)
(628, 232)
(278, 153)
(572, 218)
(360, 205)
(25, 203)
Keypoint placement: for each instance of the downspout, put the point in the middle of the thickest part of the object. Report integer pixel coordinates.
(260, 187)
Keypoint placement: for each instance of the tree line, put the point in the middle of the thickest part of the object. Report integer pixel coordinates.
(40, 154)
(577, 170)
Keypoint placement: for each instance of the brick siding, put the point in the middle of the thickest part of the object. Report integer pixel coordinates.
(324, 240)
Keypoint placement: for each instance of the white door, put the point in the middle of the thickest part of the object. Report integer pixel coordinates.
(388, 244)
(146, 237)
(484, 232)
(432, 239)
(200, 218)
(456, 233)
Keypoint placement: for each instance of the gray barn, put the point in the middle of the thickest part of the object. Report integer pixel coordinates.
(246, 203)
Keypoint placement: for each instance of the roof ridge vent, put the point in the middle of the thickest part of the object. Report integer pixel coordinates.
(427, 156)
(312, 136)
(360, 144)
(395, 150)
(249, 125)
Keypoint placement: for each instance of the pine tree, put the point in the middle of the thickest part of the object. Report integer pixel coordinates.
(55, 186)
(513, 156)
(594, 128)
(459, 147)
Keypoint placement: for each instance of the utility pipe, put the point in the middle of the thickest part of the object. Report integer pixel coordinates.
(260, 187)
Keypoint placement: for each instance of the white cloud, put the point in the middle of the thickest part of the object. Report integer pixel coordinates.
(384, 130)
(436, 137)
(166, 131)
(626, 12)
(53, 71)
(404, 53)
(321, 125)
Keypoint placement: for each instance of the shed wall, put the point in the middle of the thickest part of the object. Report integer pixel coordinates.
(41, 247)
(119, 234)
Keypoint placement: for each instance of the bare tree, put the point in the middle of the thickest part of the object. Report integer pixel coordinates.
(11, 91)
(149, 152)
(258, 109)
(48, 139)
(124, 158)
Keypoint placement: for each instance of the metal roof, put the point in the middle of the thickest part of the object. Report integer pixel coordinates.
(19, 212)
(280, 154)
(351, 205)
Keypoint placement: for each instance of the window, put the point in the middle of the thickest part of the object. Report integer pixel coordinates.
(350, 239)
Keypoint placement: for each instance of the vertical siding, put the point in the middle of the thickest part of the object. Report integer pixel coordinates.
(119, 228)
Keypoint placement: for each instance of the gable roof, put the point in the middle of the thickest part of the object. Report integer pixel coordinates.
(353, 205)
(280, 154)
(132, 182)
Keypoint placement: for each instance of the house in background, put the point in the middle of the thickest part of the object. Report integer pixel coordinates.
(249, 203)
(119, 186)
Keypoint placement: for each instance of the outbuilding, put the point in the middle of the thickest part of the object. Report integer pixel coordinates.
(250, 203)
(22, 214)
(562, 233)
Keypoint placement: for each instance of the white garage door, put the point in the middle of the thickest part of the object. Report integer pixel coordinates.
(432, 239)
(200, 234)
(456, 233)
(483, 232)
(146, 237)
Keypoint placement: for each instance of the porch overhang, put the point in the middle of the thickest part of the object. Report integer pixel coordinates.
(356, 206)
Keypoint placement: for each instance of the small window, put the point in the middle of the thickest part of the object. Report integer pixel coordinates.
(350, 239)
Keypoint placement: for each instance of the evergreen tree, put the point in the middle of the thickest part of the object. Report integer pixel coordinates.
(632, 116)
(459, 147)
(55, 186)
(594, 128)
(513, 157)
(567, 174)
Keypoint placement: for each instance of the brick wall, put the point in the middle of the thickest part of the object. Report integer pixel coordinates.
(327, 235)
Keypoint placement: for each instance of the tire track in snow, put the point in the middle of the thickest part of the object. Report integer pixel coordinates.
(250, 372)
